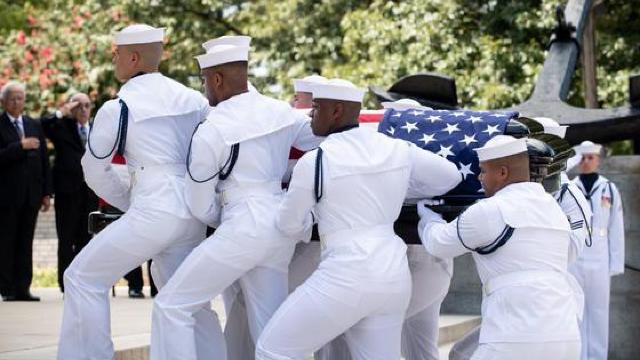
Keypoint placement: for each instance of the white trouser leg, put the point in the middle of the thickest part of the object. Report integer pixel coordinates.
(528, 351)
(377, 337)
(420, 334)
(207, 272)
(304, 262)
(430, 279)
(309, 318)
(209, 339)
(264, 290)
(464, 348)
(240, 345)
(594, 279)
(123, 245)
(334, 349)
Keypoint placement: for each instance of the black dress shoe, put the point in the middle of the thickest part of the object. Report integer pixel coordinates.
(26, 297)
(136, 294)
(8, 298)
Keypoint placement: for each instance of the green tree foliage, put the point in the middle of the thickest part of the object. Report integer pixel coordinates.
(494, 49)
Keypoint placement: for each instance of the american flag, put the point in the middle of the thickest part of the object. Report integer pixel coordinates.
(452, 134)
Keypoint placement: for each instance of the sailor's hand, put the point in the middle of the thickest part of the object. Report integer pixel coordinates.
(426, 213)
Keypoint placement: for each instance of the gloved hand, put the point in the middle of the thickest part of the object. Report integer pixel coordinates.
(426, 215)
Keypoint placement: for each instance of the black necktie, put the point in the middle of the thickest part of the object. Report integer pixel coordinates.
(83, 135)
(18, 129)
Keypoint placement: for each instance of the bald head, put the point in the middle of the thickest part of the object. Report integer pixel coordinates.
(497, 173)
(223, 81)
(130, 60)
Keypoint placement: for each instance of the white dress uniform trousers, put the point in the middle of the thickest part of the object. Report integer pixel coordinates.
(529, 297)
(157, 224)
(362, 286)
(246, 246)
(596, 265)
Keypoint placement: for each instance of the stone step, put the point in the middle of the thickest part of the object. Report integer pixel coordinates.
(29, 331)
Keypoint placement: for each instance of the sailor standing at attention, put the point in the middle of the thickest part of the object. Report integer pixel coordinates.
(519, 238)
(150, 124)
(354, 186)
(238, 157)
(605, 258)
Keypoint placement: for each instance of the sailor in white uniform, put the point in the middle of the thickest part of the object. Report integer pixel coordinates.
(354, 186)
(157, 223)
(578, 212)
(605, 258)
(307, 254)
(519, 238)
(238, 157)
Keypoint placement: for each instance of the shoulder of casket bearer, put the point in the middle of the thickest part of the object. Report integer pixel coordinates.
(429, 89)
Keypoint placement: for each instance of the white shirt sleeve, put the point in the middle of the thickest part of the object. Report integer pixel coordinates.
(295, 214)
(479, 226)
(100, 174)
(205, 161)
(616, 234)
(305, 140)
(431, 174)
(578, 211)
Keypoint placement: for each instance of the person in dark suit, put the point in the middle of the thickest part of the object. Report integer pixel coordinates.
(68, 130)
(25, 188)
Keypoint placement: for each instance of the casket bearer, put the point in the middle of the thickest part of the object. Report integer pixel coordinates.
(240, 345)
(578, 212)
(519, 238)
(605, 258)
(157, 223)
(354, 186)
(238, 157)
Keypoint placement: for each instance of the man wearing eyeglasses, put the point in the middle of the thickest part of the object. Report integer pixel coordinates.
(68, 129)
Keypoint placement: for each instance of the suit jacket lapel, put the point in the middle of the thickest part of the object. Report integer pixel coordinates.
(7, 127)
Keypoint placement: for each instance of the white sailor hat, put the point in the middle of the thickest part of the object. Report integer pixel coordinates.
(222, 54)
(305, 84)
(501, 146)
(588, 147)
(403, 104)
(139, 34)
(236, 40)
(337, 89)
(552, 127)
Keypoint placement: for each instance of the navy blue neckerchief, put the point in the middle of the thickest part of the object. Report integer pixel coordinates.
(318, 179)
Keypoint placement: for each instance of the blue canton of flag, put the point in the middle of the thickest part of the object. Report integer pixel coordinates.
(452, 134)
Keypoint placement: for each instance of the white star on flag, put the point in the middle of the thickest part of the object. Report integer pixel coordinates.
(498, 115)
(465, 169)
(409, 126)
(396, 115)
(469, 139)
(427, 138)
(391, 131)
(491, 129)
(434, 118)
(474, 119)
(458, 113)
(416, 112)
(451, 128)
(445, 151)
